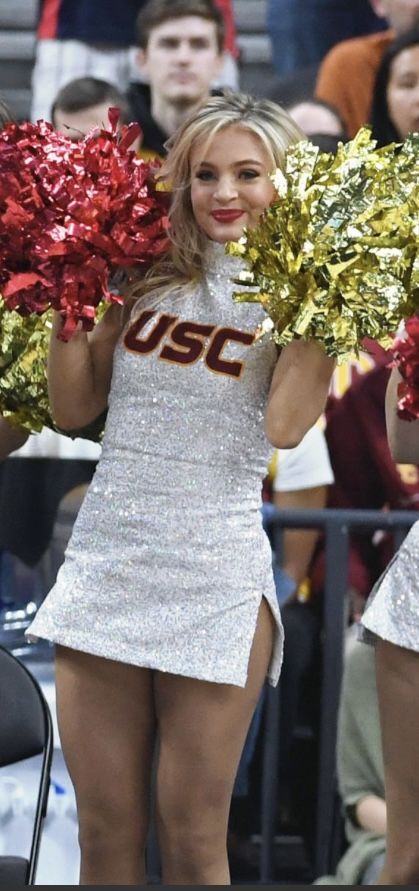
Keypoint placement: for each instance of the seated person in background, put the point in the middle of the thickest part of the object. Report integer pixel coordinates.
(299, 480)
(360, 773)
(320, 122)
(315, 116)
(76, 38)
(347, 74)
(84, 104)
(181, 45)
(395, 106)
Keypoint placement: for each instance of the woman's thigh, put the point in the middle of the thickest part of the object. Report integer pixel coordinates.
(202, 729)
(107, 726)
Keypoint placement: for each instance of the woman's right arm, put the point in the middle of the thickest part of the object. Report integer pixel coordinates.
(80, 371)
(403, 436)
(298, 392)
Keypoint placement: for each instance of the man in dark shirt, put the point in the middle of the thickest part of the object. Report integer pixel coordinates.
(181, 46)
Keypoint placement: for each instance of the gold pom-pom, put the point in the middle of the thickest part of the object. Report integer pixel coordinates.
(23, 369)
(335, 257)
(23, 372)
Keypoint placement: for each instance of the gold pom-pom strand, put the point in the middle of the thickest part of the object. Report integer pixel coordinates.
(23, 371)
(335, 257)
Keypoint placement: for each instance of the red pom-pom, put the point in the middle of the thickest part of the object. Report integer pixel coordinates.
(406, 359)
(72, 215)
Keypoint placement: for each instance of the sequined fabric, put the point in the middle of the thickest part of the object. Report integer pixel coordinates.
(392, 610)
(168, 560)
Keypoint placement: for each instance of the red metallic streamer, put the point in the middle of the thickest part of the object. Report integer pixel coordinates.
(72, 215)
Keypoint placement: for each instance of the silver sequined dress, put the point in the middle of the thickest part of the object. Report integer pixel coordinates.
(392, 610)
(168, 561)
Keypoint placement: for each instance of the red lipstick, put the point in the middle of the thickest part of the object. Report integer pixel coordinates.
(227, 216)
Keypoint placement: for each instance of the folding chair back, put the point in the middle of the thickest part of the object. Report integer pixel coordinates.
(25, 731)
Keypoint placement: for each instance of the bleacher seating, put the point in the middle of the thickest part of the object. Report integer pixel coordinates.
(257, 74)
(17, 46)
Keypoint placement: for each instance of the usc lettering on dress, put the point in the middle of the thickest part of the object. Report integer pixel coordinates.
(184, 343)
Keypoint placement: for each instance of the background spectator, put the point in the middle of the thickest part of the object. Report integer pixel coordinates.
(84, 103)
(347, 74)
(320, 122)
(76, 38)
(395, 104)
(181, 52)
(360, 773)
(316, 116)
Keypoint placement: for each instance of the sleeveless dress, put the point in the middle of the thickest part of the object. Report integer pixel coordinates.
(168, 561)
(392, 609)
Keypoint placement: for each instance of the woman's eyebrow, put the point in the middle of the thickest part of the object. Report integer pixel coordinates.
(249, 161)
(236, 163)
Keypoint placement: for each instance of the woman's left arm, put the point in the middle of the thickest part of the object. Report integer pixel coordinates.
(298, 392)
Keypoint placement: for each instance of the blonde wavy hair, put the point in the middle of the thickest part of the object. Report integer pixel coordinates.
(183, 266)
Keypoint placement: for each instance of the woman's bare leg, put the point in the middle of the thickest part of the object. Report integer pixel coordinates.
(398, 693)
(202, 729)
(107, 727)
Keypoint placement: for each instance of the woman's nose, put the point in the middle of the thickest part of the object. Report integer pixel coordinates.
(226, 189)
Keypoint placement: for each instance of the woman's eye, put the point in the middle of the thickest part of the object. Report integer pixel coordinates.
(249, 174)
(204, 175)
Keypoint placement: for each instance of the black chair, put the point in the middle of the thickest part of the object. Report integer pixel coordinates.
(25, 731)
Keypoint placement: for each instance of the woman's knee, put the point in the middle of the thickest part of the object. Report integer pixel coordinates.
(105, 823)
(193, 825)
(190, 848)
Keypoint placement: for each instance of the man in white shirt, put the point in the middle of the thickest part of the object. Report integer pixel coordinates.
(300, 477)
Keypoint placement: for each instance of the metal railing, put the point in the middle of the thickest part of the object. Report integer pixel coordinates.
(337, 525)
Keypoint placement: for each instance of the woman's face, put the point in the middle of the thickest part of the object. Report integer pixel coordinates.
(403, 91)
(231, 185)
